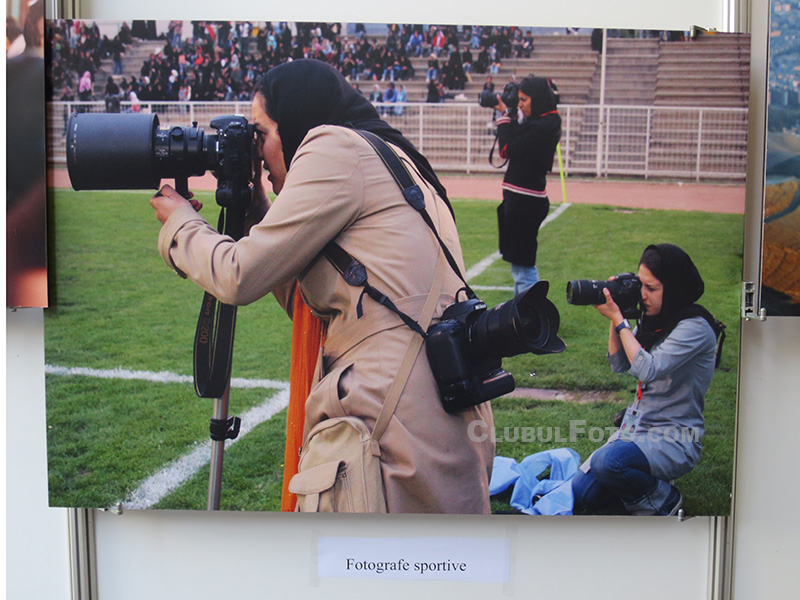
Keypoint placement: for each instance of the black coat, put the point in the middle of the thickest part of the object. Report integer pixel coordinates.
(530, 148)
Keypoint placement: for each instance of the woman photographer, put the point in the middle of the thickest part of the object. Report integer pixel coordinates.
(530, 147)
(672, 353)
(332, 185)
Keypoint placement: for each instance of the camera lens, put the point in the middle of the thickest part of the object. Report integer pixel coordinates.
(527, 323)
(111, 151)
(583, 292)
(130, 151)
(487, 99)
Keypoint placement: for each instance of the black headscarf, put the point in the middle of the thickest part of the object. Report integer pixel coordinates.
(683, 286)
(541, 94)
(306, 93)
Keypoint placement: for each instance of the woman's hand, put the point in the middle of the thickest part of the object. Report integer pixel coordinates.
(500, 106)
(617, 341)
(610, 310)
(167, 200)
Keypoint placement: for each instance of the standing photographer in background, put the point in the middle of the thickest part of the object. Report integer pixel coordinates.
(672, 354)
(530, 147)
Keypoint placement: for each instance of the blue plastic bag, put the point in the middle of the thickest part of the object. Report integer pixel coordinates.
(532, 496)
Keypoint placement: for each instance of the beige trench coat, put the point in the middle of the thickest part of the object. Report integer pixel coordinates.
(338, 188)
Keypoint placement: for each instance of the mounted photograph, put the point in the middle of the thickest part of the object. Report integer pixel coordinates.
(393, 268)
(780, 269)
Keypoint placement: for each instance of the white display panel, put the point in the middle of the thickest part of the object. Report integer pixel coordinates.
(201, 555)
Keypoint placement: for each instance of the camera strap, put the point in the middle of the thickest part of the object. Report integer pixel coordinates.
(355, 274)
(213, 341)
(411, 192)
(491, 154)
(353, 271)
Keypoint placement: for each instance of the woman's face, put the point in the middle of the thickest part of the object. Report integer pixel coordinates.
(652, 291)
(524, 104)
(270, 149)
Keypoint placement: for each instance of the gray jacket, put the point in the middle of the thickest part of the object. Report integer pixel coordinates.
(675, 376)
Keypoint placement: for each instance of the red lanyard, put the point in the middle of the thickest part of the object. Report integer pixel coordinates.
(638, 396)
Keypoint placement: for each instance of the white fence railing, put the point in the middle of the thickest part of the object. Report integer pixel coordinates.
(686, 143)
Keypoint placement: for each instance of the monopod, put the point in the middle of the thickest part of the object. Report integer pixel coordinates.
(132, 151)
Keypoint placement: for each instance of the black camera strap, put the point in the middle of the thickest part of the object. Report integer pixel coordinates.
(491, 154)
(355, 274)
(213, 341)
(353, 271)
(411, 192)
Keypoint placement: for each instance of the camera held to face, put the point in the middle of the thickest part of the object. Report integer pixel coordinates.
(510, 97)
(130, 151)
(466, 345)
(626, 291)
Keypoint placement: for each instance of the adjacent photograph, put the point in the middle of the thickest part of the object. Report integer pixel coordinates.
(393, 268)
(780, 292)
(26, 185)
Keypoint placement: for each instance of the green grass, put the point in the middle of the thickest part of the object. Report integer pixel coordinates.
(118, 305)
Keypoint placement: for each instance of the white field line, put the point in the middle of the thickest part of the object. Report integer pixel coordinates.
(479, 267)
(173, 475)
(178, 472)
(159, 377)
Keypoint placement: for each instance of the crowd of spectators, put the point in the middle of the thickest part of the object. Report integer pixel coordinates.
(222, 60)
(74, 51)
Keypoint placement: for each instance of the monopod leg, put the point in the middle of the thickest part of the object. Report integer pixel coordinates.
(217, 452)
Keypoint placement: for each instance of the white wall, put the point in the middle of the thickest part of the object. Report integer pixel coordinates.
(201, 555)
(37, 564)
(676, 14)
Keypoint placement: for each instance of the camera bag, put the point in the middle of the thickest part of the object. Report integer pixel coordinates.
(340, 468)
(349, 483)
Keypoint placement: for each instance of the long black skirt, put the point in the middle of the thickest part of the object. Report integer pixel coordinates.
(519, 218)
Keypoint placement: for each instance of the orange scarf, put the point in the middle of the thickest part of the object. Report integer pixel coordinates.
(307, 336)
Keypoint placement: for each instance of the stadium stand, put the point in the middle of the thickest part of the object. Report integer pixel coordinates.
(646, 75)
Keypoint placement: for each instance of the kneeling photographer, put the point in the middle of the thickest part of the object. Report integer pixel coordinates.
(530, 147)
(672, 352)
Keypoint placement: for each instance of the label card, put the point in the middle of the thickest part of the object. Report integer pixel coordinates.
(451, 559)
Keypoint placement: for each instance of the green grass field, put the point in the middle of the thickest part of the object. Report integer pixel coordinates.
(118, 306)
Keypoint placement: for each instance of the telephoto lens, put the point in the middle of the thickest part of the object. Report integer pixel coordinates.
(108, 151)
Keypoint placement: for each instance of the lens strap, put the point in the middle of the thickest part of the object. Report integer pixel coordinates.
(213, 340)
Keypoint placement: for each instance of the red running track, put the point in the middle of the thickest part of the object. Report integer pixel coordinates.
(714, 198)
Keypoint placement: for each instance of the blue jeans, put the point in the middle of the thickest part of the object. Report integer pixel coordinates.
(524, 277)
(618, 478)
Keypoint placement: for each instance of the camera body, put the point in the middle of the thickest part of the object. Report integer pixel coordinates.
(626, 291)
(463, 378)
(131, 151)
(510, 97)
(466, 346)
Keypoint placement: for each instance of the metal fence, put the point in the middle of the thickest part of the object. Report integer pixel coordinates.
(688, 143)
